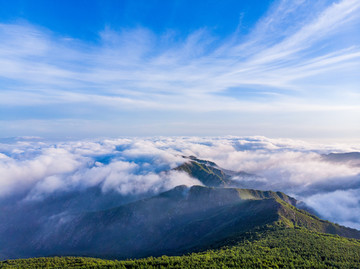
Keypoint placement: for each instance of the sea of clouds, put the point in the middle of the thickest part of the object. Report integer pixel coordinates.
(32, 169)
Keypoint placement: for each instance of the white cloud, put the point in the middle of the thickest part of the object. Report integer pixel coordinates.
(300, 60)
(19, 175)
(128, 70)
(339, 206)
(36, 169)
(128, 166)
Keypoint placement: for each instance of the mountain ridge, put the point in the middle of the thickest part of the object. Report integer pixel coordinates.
(177, 222)
(210, 174)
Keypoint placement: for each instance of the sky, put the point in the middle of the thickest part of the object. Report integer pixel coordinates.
(85, 69)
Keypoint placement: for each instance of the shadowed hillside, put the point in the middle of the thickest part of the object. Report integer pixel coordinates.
(275, 247)
(179, 221)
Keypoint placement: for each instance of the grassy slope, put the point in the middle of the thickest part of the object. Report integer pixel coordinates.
(208, 175)
(273, 247)
(293, 217)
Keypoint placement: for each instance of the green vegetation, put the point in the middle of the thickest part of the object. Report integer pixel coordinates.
(269, 247)
(209, 176)
(202, 219)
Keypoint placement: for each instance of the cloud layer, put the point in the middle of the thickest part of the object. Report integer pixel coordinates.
(127, 166)
(32, 169)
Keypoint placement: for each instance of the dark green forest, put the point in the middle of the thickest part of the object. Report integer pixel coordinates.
(269, 247)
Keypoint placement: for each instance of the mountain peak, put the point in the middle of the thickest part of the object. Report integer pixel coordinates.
(211, 175)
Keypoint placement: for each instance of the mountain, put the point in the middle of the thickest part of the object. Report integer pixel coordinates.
(352, 158)
(211, 175)
(175, 222)
(234, 226)
(20, 219)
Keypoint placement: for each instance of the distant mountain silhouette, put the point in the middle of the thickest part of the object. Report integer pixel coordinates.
(348, 157)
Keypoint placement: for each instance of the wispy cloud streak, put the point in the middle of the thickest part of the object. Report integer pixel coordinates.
(135, 68)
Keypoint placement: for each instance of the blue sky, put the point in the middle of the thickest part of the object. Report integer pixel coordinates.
(144, 68)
